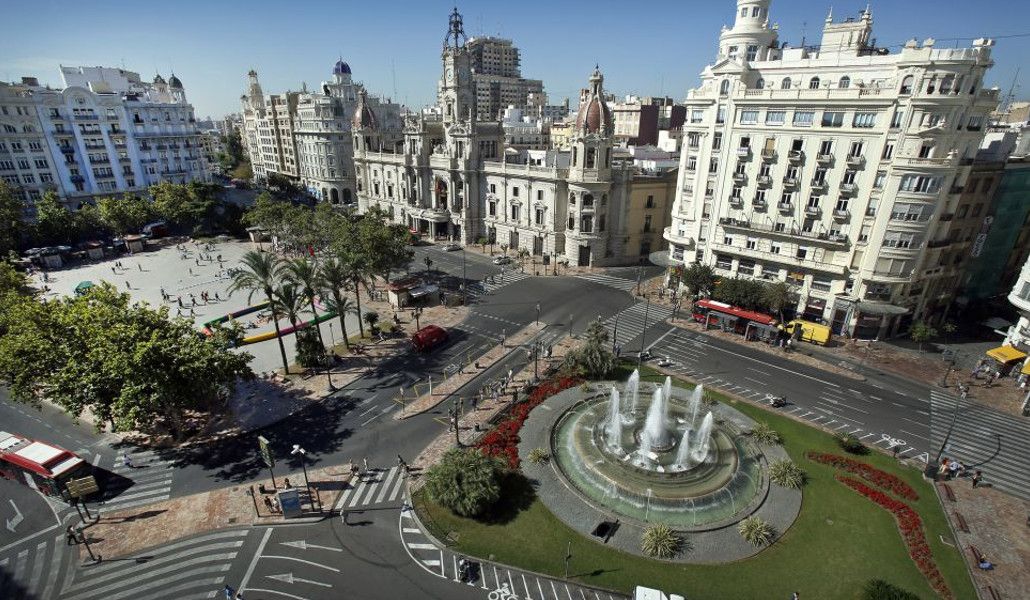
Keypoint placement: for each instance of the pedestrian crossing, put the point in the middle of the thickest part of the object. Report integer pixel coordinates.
(497, 581)
(145, 480)
(186, 570)
(33, 569)
(628, 324)
(495, 282)
(626, 285)
(374, 488)
(982, 439)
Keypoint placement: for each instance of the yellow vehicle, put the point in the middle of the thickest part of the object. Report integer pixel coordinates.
(809, 331)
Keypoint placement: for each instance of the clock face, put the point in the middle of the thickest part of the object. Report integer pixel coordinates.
(450, 74)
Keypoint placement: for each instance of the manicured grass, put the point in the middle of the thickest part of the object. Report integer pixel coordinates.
(839, 541)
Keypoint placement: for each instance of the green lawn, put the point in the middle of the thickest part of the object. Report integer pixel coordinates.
(839, 541)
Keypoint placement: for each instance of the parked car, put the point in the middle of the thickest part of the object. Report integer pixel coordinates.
(452, 247)
(502, 260)
(429, 337)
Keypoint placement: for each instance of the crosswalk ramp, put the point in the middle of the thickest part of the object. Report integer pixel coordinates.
(628, 324)
(496, 282)
(145, 480)
(374, 488)
(626, 285)
(35, 568)
(982, 439)
(497, 581)
(186, 570)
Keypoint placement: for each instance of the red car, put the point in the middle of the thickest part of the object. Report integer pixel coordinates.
(429, 337)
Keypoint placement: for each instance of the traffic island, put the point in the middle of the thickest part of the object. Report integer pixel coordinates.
(125, 532)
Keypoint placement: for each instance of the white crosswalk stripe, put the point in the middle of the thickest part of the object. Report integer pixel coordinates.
(36, 565)
(480, 288)
(147, 479)
(983, 439)
(626, 285)
(179, 570)
(383, 487)
(628, 324)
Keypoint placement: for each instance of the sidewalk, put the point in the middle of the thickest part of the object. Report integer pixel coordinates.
(122, 533)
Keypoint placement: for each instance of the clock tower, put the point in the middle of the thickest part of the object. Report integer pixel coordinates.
(456, 94)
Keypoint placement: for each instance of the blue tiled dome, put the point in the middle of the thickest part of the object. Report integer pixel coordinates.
(341, 68)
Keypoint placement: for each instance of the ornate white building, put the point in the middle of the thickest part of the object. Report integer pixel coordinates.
(836, 169)
(452, 177)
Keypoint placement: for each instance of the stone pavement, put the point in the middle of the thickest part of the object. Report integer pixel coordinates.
(122, 533)
(999, 527)
(467, 373)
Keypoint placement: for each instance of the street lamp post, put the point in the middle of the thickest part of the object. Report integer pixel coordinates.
(417, 313)
(639, 273)
(464, 280)
(615, 332)
(643, 332)
(537, 313)
(298, 451)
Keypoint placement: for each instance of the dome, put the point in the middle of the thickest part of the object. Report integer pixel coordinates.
(364, 118)
(159, 79)
(173, 82)
(341, 68)
(594, 115)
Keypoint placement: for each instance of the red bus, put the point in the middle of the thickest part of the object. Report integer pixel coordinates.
(39, 465)
(712, 313)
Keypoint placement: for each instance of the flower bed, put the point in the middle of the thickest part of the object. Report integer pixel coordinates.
(911, 527)
(503, 440)
(871, 474)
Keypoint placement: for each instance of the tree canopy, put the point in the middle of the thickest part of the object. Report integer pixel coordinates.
(700, 279)
(594, 359)
(12, 211)
(465, 481)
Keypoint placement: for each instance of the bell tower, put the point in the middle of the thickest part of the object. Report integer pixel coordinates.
(456, 95)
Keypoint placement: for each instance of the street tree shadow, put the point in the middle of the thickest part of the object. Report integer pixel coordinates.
(516, 496)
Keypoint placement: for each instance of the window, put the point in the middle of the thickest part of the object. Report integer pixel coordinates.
(697, 115)
(880, 179)
(819, 177)
(713, 165)
(888, 151)
(864, 120)
(897, 118)
(717, 141)
(727, 240)
(803, 118)
(691, 163)
(844, 83)
(775, 117)
(649, 203)
(813, 201)
(849, 177)
(591, 157)
(735, 191)
(515, 212)
(977, 209)
(720, 115)
(540, 195)
(539, 216)
(764, 170)
(572, 223)
(802, 253)
(926, 150)
(760, 84)
(947, 84)
(857, 149)
(920, 184)
(975, 123)
(588, 200)
(586, 224)
(745, 142)
(693, 140)
(752, 51)
(774, 247)
(785, 84)
(492, 206)
(813, 83)
(760, 196)
(749, 116)
(723, 261)
(931, 85)
(493, 188)
(833, 119)
(724, 86)
(797, 145)
(906, 85)
(647, 223)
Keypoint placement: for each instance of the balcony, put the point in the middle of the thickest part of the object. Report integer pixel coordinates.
(824, 159)
(759, 204)
(813, 211)
(841, 214)
(744, 152)
(57, 115)
(785, 207)
(677, 239)
(768, 155)
(848, 188)
(125, 160)
(856, 160)
(81, 117)
(938, 243)
(956, 189)
(737, 202)
(818, 185)
(764, 180)
(790, 181)
(795, 156)
(831, 241)
(67, 149)
(945, 217)
(740, 178)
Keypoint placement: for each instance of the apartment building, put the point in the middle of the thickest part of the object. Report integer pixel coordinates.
(497, 77)
(831, 168)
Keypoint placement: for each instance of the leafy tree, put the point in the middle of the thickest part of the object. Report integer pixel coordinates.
(878, 589)
(291, 302)
(127, 214)
(13, 281)
(777, 296)
(372, 318)
(304, 274)
(233, 149)
(465, 481)
(89, 225)
(55, 224)
(334, 278)
(12, 213)
(742, 292)
(922, 332)
(594, 358)
(260, 272)
(242, 171)
(383, 246)
(310, 352)
(268, 214)
(700, 279)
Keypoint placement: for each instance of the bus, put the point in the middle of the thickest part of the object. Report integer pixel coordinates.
(756, 325)
(41, 466)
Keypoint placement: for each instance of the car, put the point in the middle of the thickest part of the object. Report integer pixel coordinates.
(502, 260)
(429, 337)
(452, 247)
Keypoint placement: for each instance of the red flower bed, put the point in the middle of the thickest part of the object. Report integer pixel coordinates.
(503, 440)
(911, 527)
(871, 474)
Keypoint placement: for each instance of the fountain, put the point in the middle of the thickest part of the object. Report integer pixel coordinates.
(700, 471)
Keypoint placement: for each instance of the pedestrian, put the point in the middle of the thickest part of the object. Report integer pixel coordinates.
(113, 271)
(953, 469)
(126, 461)
(288, 485)
(140, 267)
(70, 535)
(179, 300)
(354, 471)
(943, 470)
(795, 596)
(401, 463)
(191, 271)
(364, 463)
(977, 478)
(217, 299)
(127, 286)
(229, 592)
(193, 301)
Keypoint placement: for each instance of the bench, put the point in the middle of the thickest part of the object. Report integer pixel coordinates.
(961, 521)
(948, 492)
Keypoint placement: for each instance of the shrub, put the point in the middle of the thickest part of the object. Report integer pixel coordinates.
(503, 441)
(371, 317)
(756, 531)
(538, 456)
(763, 433)
(850, 443)
(660, 541)
(787, 474)
(466, 481)
(878, 589)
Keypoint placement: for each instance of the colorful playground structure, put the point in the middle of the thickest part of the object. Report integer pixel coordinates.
(261, 337)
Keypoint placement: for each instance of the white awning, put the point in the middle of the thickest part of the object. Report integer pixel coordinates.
(423, 290)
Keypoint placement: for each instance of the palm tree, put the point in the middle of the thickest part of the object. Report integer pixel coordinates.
(304, 274)
(334, 278)
(260, 271)
(291, 302)
(354, 265)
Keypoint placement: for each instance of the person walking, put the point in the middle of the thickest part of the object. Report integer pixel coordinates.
(977, 478)
(140, 267)
(364, 464)
(70, 536)
(127, 286)
(126, 461)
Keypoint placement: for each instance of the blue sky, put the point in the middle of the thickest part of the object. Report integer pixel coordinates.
(650, 48)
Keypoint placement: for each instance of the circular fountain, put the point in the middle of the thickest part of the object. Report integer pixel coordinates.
(670, 459)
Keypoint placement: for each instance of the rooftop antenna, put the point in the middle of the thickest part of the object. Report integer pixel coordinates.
(1011, 96)
(393, 75)
(804, 30)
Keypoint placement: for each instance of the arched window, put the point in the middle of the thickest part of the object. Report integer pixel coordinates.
(575, 155)
(947, 84)
(724, 87)
(931, 85)
(334, 196)
(813, 83)
(591, 157)
(785, 84)
(588, 200)
(572, 199)
(906, 85)
(760, 83)
(845, 82)
(346, 195)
